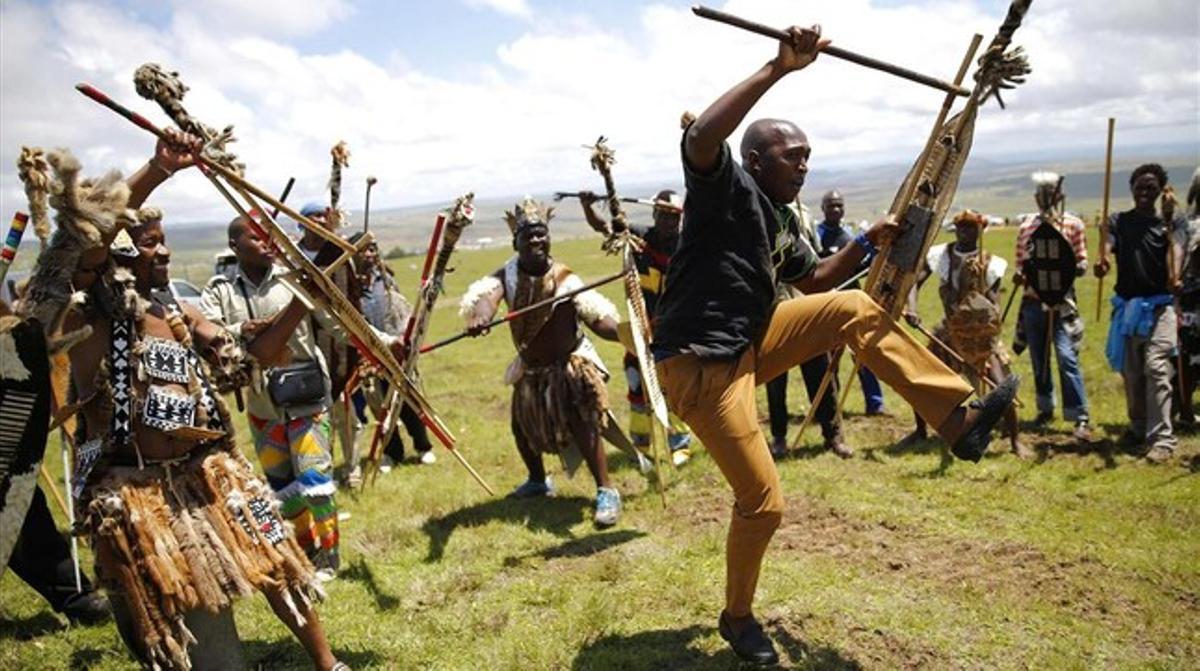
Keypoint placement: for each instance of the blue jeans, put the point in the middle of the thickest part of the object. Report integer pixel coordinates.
(872, 392)
(1070, 377)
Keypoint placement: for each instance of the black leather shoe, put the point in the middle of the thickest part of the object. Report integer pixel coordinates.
(971, 445)
(751, 645)
(87, 608)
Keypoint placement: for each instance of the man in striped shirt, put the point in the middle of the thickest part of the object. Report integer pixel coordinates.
(1068, 328)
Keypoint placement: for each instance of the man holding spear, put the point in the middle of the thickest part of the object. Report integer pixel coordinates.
(717, 335)
(179, 523)
(652, 262)
(560, 401)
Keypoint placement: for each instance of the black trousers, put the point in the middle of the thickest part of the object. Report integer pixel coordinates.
(416, 430)
(812, 370)
(42, 557)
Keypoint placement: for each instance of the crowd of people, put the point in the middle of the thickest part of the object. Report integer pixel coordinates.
(742, 287)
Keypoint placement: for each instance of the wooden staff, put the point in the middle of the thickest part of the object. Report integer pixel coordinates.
(521, 312)
(662, 204)
(602, 160)
(1103, 223)
(287, 190)
(360, 332)
(836, 52)
(49, 483)
(367, 208)
(1008, 305)
(1049, 339)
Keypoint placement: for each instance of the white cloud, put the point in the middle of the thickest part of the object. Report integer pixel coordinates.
(517, 122)
(517, 8)
(280, 18)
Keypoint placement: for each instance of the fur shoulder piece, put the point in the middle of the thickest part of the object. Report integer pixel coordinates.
(480, 301)
(591, 305)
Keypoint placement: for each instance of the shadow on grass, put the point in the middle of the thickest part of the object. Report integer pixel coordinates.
(87, 658)
(658, 649)
(360, 571)
(556, 514)
(29, 628)
(286, 653)
(580, 547)
(677, 649)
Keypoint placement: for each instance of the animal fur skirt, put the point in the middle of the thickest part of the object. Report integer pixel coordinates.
(549, 400)
(192, 533)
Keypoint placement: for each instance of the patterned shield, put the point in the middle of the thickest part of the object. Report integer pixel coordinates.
(24, 423)
(1050, 266)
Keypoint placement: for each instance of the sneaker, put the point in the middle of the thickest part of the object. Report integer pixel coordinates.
(681, 456)
(838, 446)
(679, 441)
(386, 464)
(879, 412)
(1159, 455)
(428, 457)
(343, 515)
(1083, 432)
(973, 442)
(326, 575)
(531, 489)
(751, 645)
(608, 506)
(354, 478)
(87, 608)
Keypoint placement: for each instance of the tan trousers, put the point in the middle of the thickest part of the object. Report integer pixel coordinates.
(716, 398)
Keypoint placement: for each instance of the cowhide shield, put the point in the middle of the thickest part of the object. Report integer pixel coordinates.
(24, 423)
(1050, 267)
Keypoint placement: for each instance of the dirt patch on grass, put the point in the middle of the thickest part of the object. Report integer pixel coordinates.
(968, 569)
(1080, 585)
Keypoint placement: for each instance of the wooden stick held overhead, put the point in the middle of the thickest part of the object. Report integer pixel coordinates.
(836, 52)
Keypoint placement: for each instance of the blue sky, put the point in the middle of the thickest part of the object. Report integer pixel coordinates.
(496, 96)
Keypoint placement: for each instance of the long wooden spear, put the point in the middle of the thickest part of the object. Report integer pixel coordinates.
(623, 240)
(521, 312)
(1103, 223)
(361, 335)
(837, 52)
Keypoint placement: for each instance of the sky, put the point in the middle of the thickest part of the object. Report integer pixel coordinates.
(436, 98)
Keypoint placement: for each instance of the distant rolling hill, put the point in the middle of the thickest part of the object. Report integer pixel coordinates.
(995, 187)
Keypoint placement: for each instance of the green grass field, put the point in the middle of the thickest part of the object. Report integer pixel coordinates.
(1084, 558)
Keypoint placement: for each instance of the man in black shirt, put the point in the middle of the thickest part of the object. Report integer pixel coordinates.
(1142, 337)
(718, 335)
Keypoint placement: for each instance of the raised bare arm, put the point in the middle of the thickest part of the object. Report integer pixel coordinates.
(705, 136)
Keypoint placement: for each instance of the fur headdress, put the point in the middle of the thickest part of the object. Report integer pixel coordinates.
(970, 217)
(88, 214)
(528, 212)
